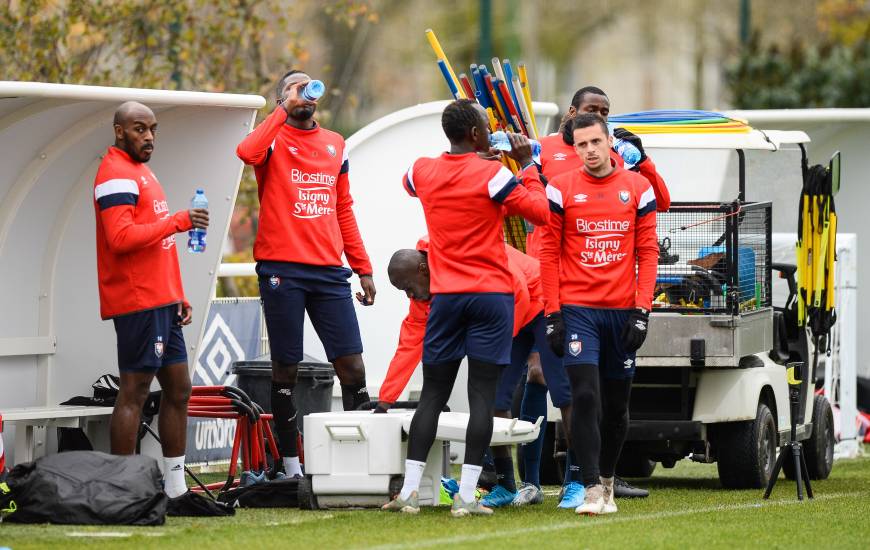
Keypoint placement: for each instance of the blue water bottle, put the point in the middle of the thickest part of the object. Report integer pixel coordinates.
(499, 140)
(313, 91)
(196, 240)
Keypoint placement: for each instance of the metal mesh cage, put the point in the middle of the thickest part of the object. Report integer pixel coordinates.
(714, 258)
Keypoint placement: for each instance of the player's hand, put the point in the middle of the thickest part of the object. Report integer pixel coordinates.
(199, 218)
(367, 296)
(492, 154)
(556, 333)
(634, 330)
(185, 313)
(292, 97)
(521, 149)
(382, 407)
(623, 134)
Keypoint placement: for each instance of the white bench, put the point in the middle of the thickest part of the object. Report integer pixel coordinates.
(31, 424)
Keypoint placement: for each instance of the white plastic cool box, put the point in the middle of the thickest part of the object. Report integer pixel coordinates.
(353, 457)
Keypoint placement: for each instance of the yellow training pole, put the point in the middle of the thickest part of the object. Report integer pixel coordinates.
(527, 94)
(439, 53)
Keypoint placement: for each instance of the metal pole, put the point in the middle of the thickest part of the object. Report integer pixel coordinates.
(745, 21)
(485, 48)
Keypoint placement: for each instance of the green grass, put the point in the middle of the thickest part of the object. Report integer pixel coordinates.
(687, 509)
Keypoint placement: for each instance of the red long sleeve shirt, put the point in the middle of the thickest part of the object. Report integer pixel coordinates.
(528, 304)
(306, 213)
(137, 264)
(600, 248)
(465, 199)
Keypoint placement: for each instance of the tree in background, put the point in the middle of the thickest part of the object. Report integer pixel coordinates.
(834, 73)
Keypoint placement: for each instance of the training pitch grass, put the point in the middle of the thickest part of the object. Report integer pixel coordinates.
(687, 509)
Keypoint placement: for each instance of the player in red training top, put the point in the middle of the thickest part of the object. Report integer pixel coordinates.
(599, 259)
(140, 288)
(306, 223)
(465, 199)
(558, 156)
(409, 272)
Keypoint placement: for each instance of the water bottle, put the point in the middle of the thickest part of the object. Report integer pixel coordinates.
(629, 153)
(313, 91)
(196, 240)
(499, 140)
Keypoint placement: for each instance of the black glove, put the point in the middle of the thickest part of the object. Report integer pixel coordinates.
(623, 134)
(381, 408)
(634, 330)
(556, 333)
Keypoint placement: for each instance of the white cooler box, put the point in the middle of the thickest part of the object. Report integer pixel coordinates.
(357, 458)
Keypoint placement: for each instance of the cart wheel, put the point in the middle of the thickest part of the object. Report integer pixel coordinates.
(632, 464)
(819, 448)
(747, 451)
(305, 494)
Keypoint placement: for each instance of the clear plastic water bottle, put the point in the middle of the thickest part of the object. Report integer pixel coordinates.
(629, 153)
(196, 237)
(499, 140)
(313, 91)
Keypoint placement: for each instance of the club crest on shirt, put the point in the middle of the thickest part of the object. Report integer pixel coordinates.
(624, 196)
(330, 148)
(158, 347)
(574, 347)
(559, 156)
(274, 281)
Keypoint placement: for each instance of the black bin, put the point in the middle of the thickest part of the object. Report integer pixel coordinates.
(314, 382)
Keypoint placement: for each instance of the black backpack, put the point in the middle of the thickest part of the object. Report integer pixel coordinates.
(85, 488)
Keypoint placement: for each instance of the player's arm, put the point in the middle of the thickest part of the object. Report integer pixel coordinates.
(521, 195)
(116, 199)
(646, 248)
(354, 249)
(408, 353)
(663, 197)
(647, 169)
(551, 249)
(257, 145)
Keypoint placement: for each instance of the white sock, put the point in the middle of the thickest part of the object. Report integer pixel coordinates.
(173, 476)
(291, 466)
(413, 475)
(468, 481)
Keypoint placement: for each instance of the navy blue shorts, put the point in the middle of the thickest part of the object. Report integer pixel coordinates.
(533, 337)
(476, 325)
(593, 337)
(290, 289)
(148, 340)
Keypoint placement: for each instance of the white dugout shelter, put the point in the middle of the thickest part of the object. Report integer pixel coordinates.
(53, 345)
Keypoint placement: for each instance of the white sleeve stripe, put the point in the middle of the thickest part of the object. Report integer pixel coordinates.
(499, 181)
(647, 197)
(344, 155)
(410, 175)
(555, 196)
(111, 187)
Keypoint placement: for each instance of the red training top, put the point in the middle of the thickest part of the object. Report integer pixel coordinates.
(557, 158)
(600, 249)
(528, 304)
(465, 200)
(137, 265)
(306, 213)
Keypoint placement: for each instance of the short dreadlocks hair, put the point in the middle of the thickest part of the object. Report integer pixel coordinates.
(459, 118)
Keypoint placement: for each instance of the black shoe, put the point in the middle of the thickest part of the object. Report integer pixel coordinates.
(196, 505)
(487, 480)
(622, 489)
